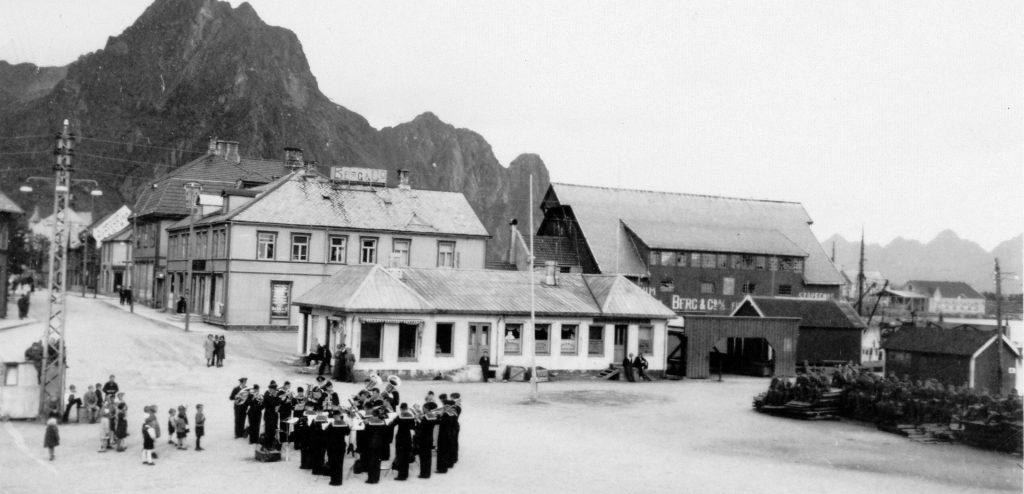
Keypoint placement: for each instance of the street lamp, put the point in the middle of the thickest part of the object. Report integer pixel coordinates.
(192, 190)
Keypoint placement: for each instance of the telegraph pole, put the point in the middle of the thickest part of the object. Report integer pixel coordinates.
(533, 314)
(860, 276)
(999, 323)
(51, 380)
(192, 190)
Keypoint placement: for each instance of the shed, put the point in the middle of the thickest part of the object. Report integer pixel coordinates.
(959, 355)
(830, 330)
(703, 332)
(19, 379)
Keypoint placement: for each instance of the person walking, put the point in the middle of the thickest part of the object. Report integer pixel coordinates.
(627, 368)
(181, 427)
(640, 364)
(208, 347)
(52, 438)
(485, 366)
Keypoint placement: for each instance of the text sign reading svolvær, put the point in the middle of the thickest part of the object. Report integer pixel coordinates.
(360, 175)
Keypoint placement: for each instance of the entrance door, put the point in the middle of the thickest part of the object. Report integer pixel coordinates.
(119, 280)
(621, 337)
(479, 340)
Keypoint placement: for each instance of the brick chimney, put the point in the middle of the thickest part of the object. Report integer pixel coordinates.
(293, 159)
(212, 147)
(403, 179)
(550, 273)
(231, 151)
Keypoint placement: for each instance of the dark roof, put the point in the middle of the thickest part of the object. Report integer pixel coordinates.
(166, 196)
(603, 212)
(963, 341)
(562, 250)
(709, 238)
(466, 291)
(813, 313)
(9, 206)
(948, 289)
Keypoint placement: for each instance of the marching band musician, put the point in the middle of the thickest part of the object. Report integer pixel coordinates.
(445, 437)
(285, 411)
(457, 407)
(270, 417)
(240, 406)
(403, 441)
(255, 407)
(318, 444)
(377, 443)
(337, 433)
(425, 438)
(330, 397)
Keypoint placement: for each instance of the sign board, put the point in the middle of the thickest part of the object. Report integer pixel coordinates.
(359, 175)
(280, 298)
(114, 223)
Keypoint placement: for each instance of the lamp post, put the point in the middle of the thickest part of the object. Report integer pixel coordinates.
(192, 190)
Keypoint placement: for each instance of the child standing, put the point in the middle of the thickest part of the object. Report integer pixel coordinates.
(181, 427)
(171, 418)
(200, 425)
(121, 430)
(52, 439)
(105, 427)
(149, 436)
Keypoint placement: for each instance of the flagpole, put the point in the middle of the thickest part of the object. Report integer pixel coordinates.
(533, 313)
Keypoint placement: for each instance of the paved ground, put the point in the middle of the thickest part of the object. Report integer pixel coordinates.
(584, 436)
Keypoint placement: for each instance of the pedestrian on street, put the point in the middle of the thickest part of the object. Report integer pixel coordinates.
(121, 427)
(181, 427)
(200, 425)
(325, 360)
(23, 302)
(120, 294)
(172, 418)
(208, 347)
(52, 439)
(627, 368)
(640, 364)
(219, 350)
(485, 365)
(149, 435)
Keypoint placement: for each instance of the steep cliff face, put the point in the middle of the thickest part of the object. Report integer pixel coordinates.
(190, 69)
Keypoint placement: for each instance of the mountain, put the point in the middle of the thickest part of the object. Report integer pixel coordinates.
(190, 69)
(947, 257)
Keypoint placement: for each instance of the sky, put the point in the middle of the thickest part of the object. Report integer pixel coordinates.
(901, 118)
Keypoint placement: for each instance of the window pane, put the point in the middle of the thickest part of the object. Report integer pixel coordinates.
(668, 258)
(728, 286)
(759, 262)
(723, 261)
(694, 259)
(368, 251)
(773, 263)
(443, 339)
(655, 258)
(446, 254)
(542, 337)
(596, 340)
(785, 289)
(300, 247)
(514, 339)
(681, 259)
(337, 249)
(644, 343)
(569, 333)
(407, 341)
(707, 260)
(369, 340)
(707, 287)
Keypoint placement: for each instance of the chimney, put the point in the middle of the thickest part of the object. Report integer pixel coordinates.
(212, 147)
(550, 273)
(220, 148)
(395, 265)
(512, 240)
(403, 179)
(311, 167)
(293, 159)
(231, 151)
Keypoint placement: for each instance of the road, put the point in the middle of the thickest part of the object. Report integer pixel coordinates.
(584, 436)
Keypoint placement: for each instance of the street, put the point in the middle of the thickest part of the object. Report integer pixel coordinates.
(584, 436)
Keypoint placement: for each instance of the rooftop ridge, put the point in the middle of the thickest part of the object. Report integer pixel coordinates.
(686, 194)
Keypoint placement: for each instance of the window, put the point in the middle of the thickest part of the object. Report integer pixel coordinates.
(172, 246)
(655, 258)
(407, 336)
(446, 254)
(300, 247)
(513, 338)
(723, 261)
(708, 260)
(759, 263)
(728, 286)
(10, 374)
(681, 259)
(748, 261)
(749, 287)
(707, 287)
(400, 248)
(266, 243)
(595, 341)
(369, 340)
(565, 269)
(773, 263)
(785, 289)
(443, 339)
(570, 332)
(794, 264)
(668, 258)
(542, 339)
(368, 250)
(644, 342)
(695, 259)
(736, 261)
(336, 248)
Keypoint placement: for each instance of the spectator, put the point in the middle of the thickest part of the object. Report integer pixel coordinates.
(640, 364)
(208, 349)
(91, 403)
(72, 400)
(350, 366)
(52, 439)
(219, 350)
(627, 368)
(110, 388)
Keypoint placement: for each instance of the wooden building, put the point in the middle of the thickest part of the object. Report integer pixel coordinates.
(831, 332)
(948, 298)
(413, 321)
(9, 211)
(957, 355)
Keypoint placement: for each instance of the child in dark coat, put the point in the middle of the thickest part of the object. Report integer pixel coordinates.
(200, 426)
(52, 439)
(181, 427)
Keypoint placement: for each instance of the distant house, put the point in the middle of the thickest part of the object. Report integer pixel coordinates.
(873, 281)
(115, 258)
(830, 330)
(948, 297)
(415, 320)
(963, 354)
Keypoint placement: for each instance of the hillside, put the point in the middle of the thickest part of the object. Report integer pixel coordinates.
(189, 69)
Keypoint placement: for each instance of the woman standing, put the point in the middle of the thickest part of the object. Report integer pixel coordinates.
(208, 348)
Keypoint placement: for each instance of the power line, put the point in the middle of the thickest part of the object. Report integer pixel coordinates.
(97, 139)
(25, 137)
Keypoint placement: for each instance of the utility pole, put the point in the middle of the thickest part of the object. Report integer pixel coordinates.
(860, 276)
(999, 324)
(51, 389)
(533, 313)
(192, 190)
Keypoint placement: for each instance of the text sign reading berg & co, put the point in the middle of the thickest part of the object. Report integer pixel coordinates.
(361, 175)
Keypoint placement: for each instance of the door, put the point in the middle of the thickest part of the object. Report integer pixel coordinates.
(479, 340)
(621, 337)
(118, 280)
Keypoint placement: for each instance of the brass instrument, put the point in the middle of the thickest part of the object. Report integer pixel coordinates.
(375, 381)
(393, 383)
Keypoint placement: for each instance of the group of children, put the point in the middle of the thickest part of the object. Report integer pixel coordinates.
(177, 428)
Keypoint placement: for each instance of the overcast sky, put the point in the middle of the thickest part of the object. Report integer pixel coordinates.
(903, 117)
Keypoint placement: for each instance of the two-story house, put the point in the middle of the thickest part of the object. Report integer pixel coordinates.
(262, 247)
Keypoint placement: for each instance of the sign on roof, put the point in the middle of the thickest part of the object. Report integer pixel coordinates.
(112, 224)
(359, 175)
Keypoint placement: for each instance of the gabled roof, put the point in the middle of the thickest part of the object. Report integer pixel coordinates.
(948, 289)
(457, 291)
(315, 202)
(166, 196)
(9, 206)
(600, 212)
(666, 235)
(963, 341)
(124, 235)
(813, 313)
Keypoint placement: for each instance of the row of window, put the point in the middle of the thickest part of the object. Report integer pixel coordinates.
(371, 335)
(728, 287)
(725, 261)
(178, 244)
(337, 249)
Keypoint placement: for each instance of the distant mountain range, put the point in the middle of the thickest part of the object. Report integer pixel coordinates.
(189, 69)
(947, 257)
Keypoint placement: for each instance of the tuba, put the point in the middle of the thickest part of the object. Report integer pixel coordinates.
(374, 382)
(393, 383)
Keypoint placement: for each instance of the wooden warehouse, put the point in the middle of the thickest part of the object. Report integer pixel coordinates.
(830, 331)
(768, 341)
